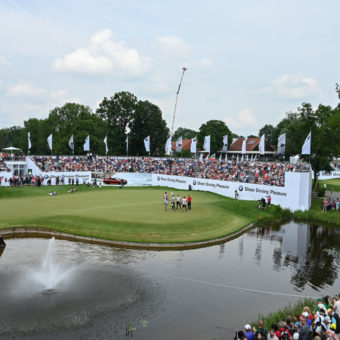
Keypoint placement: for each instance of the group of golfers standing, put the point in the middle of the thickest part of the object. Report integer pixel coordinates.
(177, 202)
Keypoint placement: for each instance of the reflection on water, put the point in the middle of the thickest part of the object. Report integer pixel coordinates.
(209, 292)
(310, 251)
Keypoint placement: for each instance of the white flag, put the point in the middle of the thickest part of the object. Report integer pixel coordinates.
(127, 144)
(262, 145)
(281, 144)
(225, 144)
(179, 144)
(71, 143)
(244, 146)
(29, 140)
(49, 141)
(147, 144)
(307, 145)
(87, 144)
(193, 145)
(106, 148)
(206, 145)
(168, 146)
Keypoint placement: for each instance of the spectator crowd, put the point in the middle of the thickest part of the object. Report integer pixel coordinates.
(266, 173)
(323, 323)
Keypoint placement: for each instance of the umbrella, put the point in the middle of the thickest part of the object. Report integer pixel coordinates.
(11, 148)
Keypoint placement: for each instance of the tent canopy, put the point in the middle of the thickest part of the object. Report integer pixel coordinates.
(11, 148)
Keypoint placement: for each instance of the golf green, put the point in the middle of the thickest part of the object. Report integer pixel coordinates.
(332, 184)
(129, 214)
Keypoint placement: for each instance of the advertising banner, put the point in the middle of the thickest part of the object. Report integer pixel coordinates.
(295, 195)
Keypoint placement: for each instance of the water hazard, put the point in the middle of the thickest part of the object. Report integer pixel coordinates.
(194, 294)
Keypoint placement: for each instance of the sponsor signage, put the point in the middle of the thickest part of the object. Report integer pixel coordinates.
(295, 195)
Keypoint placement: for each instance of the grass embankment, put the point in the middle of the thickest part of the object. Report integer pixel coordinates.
(282, 314)
(129, 214)
(315, 214)
(332, 184)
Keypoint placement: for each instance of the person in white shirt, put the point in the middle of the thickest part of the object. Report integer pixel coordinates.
(184, 204)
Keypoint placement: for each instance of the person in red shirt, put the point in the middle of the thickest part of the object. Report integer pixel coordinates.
(189, 202)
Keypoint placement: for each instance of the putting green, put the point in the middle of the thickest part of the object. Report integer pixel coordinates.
(333, 183)
(130, 214)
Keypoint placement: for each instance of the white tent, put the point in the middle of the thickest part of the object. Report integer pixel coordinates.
(294, 159)
(11, 148)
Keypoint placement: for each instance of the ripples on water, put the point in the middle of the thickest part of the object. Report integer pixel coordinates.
(208, 292)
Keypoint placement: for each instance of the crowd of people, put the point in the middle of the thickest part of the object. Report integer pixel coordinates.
(321, 324)
(331, 204)
(266, 173)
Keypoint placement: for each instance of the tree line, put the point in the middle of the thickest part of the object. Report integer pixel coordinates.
(124, 115)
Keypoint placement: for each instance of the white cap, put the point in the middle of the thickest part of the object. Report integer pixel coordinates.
(296, 336)
(247, 327)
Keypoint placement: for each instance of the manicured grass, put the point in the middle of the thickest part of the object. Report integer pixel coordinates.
(331, 183)
(129, 214)
(315, 214)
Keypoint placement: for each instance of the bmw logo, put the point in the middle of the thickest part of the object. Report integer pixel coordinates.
(158, 178)
(194, 182)
(45, 176)
(240, 187)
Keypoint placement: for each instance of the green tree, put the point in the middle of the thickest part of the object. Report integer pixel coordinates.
(79, 121)
(216, 129)
(147, 121)
(323, 123)
(11, 137)
(185, 133)
(118, 112)
(268, 131)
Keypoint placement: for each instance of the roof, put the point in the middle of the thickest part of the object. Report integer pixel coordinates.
(252, 145)
(186, 144)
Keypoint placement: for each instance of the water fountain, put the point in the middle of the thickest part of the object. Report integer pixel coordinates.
(52, 286)
(51, 272)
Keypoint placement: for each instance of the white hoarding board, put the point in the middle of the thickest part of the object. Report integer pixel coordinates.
(295, 195)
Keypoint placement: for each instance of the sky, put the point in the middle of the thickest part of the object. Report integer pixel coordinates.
(249, 62)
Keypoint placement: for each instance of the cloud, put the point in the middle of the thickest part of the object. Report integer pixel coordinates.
(24, 89)
(244, 118)
(173, 46)
(294, 86)
(204, 63)
(4, 61)
(104, 56)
